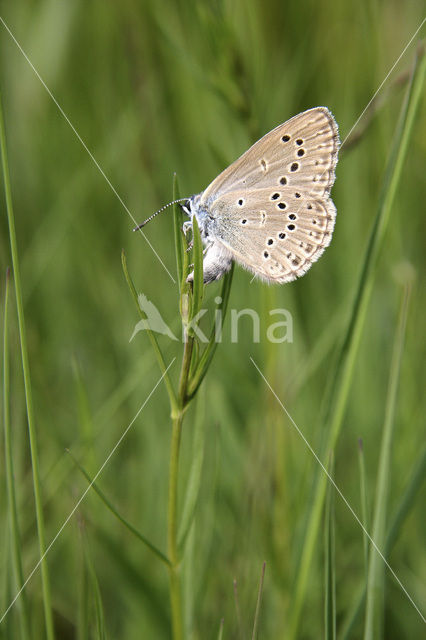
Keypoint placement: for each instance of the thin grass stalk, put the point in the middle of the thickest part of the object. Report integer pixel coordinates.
(344, 369)
(376, 573)
(152, 338)
(10, 478)
(258, 603)
(189, 308)
(47, 604)
(330, 565)
(193, 370)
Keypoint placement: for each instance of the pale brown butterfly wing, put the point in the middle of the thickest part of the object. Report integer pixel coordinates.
(279, 239)
(301, 151)
(271, 208)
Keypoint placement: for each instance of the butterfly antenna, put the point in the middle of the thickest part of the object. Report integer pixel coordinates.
(169, 204)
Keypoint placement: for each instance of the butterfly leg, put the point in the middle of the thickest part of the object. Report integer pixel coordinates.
(217, 261)
(187, 226)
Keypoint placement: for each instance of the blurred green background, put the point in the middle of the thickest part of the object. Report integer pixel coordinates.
(155, 88)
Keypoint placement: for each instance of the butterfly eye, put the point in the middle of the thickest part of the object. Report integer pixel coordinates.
(281, 235)
(292, 216)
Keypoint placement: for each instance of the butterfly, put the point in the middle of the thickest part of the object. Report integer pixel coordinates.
(270, 211)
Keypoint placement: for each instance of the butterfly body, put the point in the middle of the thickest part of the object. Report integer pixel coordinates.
(271, 210)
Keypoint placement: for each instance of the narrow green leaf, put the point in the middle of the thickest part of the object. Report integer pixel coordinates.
(215, 335)
(342, 375)
(197, 256)
(152, 338)
(15, 536)
(376, 571)
(185, 300)
(180, 247)
(114, 511)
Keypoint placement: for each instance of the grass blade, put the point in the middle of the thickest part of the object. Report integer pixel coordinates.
(114, 511)
(179, 237)
(376, 571)
(27, 383)
(345, 365)
(10, 479)
(197, 255)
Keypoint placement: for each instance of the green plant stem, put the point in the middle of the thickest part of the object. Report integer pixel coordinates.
(175, 586)
(27, 383)
(172, 537)
(375, 585)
